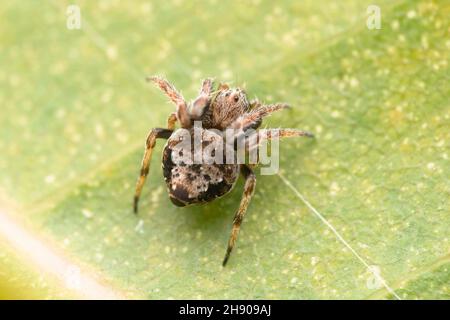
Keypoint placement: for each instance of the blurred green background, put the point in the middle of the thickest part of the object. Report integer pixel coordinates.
(75, 111)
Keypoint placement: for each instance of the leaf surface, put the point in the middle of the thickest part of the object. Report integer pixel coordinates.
(76, 111)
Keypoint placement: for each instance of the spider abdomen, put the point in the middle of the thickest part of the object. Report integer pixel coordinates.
(191, 183)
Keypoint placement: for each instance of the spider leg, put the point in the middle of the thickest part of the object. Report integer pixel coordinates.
(249, 188)
(284, 133)
(171, 120)
(175, 97)
(198, 107)
(253, 119)
(167, 88)
(269, 134)
(150, 144)
(265, 110)
(207, 86)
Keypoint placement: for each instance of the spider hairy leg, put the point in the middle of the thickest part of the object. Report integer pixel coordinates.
(167, 88)
(268, 134)
(198, 107)
(145, 168)
(207, 86)
(171, 120)
(253, 119)
(284, 133)
(175, 97)
(249, 188)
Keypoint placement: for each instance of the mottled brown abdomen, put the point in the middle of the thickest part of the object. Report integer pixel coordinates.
(195, 183)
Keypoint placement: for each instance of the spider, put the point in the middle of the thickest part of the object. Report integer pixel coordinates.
(217, 110)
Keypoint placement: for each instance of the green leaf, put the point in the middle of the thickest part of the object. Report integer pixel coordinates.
(360, 212)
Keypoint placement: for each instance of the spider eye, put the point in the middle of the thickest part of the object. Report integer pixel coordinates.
(236, 98)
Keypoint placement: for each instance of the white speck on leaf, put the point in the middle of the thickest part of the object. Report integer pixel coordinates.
(87, 213)
(50, 179)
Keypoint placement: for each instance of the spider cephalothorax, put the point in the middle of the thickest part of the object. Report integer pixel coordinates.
(224, 107)
(193, 182)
